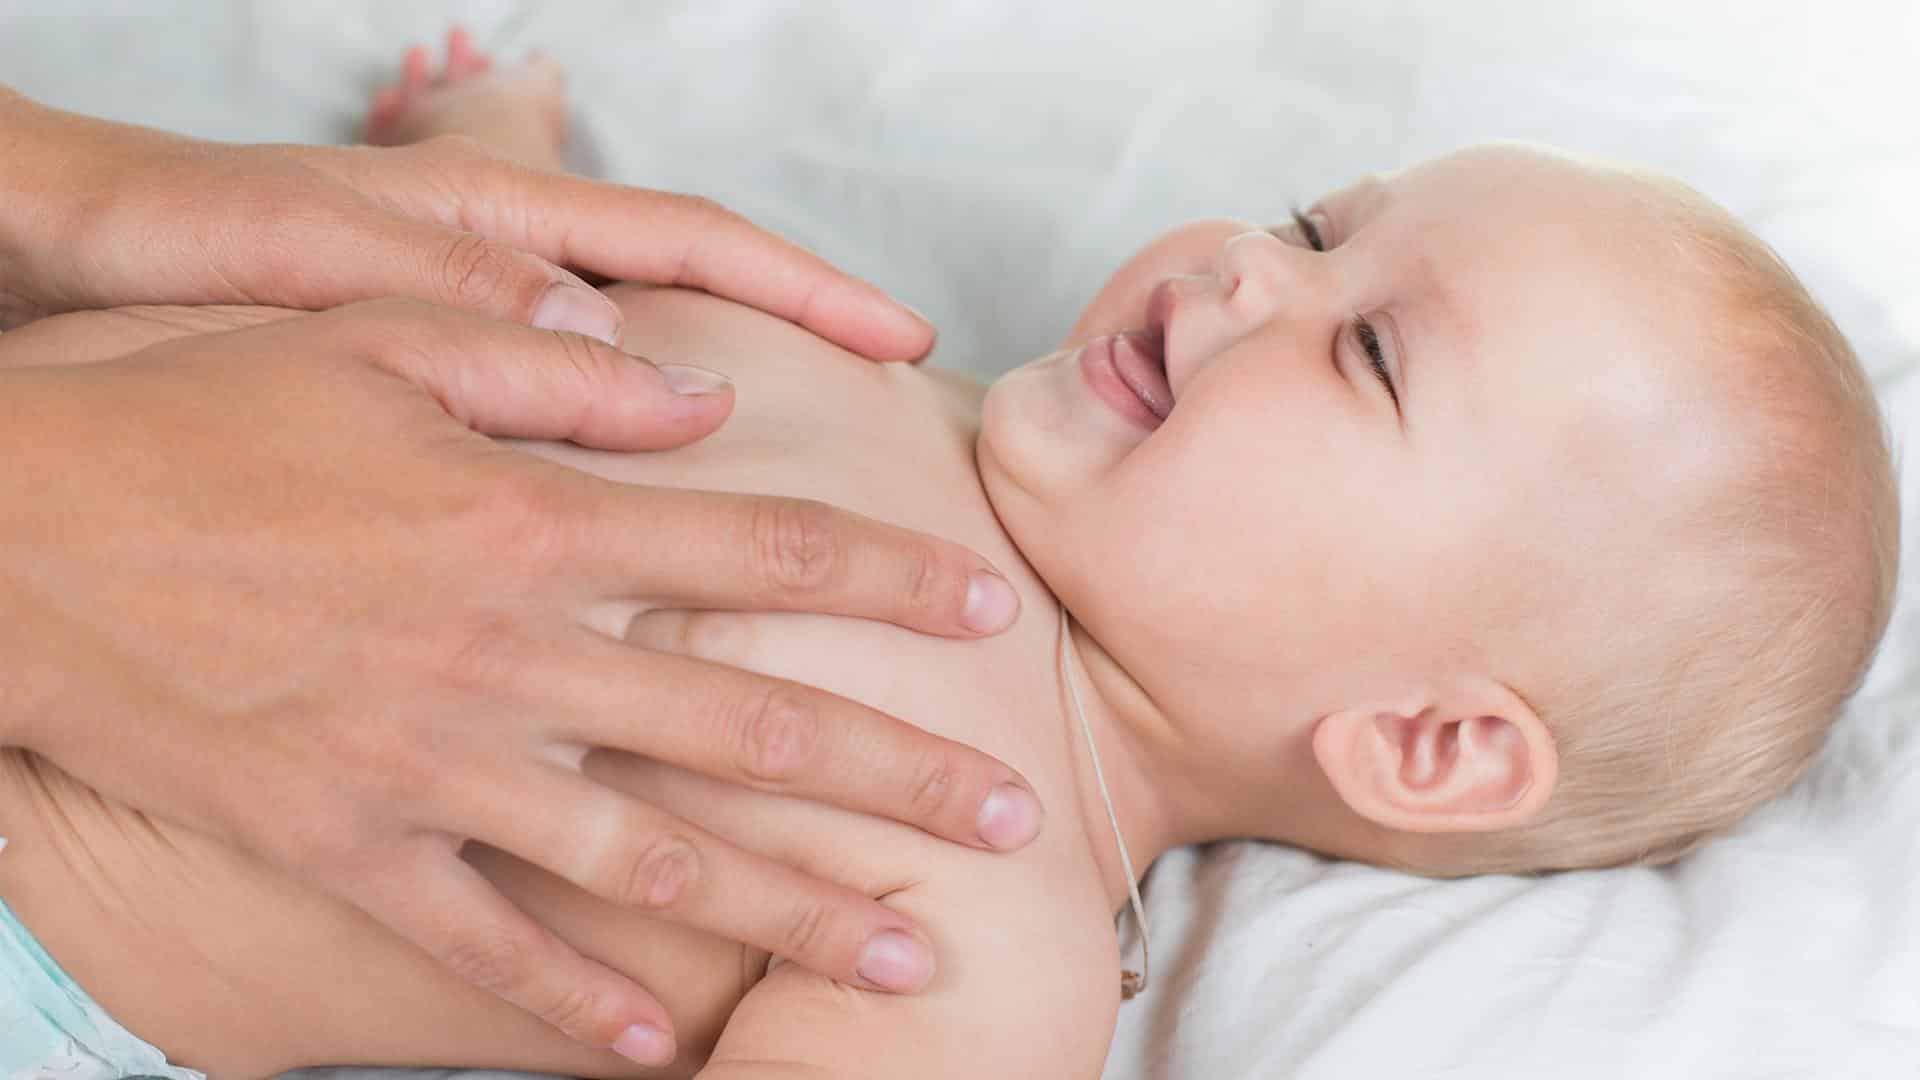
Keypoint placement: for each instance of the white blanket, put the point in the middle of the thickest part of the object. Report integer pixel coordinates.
(989, 162)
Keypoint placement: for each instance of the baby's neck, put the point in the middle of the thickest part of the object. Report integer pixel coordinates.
(1128, 821)
(1157, 800)
(1167, 792)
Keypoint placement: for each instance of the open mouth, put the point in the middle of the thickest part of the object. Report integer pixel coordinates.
(1140, 359)
(1128, 370)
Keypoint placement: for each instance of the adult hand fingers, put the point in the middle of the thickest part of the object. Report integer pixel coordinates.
(318, 227)
(692, 241)
(692, 549)
(501, 379)
(447, 908)
(776, 736)
(635, 234)
(303, 227)
(369, 252)
(640, 857)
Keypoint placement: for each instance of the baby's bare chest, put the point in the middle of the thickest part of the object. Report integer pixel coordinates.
(882, 441)
(893, 445)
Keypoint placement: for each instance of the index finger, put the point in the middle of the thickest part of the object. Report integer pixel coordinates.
(780, 736)
(715, 550)
(663, 238)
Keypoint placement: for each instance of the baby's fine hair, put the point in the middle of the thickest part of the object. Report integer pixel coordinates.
(1716, 697)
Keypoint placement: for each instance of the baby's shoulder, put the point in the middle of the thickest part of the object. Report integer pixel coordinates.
(1027, 985)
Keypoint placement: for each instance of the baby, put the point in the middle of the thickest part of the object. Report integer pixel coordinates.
(1510, 513)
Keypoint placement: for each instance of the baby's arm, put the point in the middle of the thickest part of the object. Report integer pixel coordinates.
(1028, 987)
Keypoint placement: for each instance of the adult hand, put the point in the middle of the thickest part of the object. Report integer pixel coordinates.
(101, 215)
(276, 594)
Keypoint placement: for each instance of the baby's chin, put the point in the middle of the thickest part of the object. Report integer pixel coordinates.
(1044, 435)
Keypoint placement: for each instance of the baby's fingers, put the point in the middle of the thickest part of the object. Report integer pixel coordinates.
(446, 907)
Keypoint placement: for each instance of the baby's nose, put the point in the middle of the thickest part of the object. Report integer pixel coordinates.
(1265, 273)
(1191, 318)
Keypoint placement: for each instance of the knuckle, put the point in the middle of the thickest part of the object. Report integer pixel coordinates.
(497, 958)
(530, 522)
(930, 585)
(388, 761)
(796, 545)
(330, 848)
(934, 783)
(702, 207)
(571, 1010)
(805, 929)
(778, 732)
(661, 874)
(484, 655)
(473, 270)
(585, 359)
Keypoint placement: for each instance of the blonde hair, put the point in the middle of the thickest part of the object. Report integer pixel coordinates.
(1718, 695)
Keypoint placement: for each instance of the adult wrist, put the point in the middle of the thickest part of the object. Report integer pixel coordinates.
(62, 176)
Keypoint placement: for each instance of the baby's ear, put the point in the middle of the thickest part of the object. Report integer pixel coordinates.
(1471, 757)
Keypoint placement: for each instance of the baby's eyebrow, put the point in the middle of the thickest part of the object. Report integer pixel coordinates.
(1437, 320)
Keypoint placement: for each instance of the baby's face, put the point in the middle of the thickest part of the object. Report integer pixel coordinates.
(1297, 478)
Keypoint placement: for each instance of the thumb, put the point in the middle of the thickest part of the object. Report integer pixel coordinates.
(504, 379)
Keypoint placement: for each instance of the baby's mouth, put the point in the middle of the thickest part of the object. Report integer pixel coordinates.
(1140, 359)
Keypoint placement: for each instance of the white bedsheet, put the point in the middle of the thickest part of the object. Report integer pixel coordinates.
(988, 162)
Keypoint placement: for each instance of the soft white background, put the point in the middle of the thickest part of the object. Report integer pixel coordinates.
(989, 163)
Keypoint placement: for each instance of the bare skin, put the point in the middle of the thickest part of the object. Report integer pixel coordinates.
(1253, 621)
(244, 972)
(198, 651)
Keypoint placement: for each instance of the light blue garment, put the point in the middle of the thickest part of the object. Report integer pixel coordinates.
(51, 1030)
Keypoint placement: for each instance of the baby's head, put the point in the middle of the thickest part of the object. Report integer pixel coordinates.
(1541, 520)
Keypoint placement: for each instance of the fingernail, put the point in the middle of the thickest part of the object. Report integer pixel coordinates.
(896, 960)
(1009, 817)
(689, 381)
(577, 309)
(991, 603)
(918, 314)
(645, 1045)
(928, 323)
